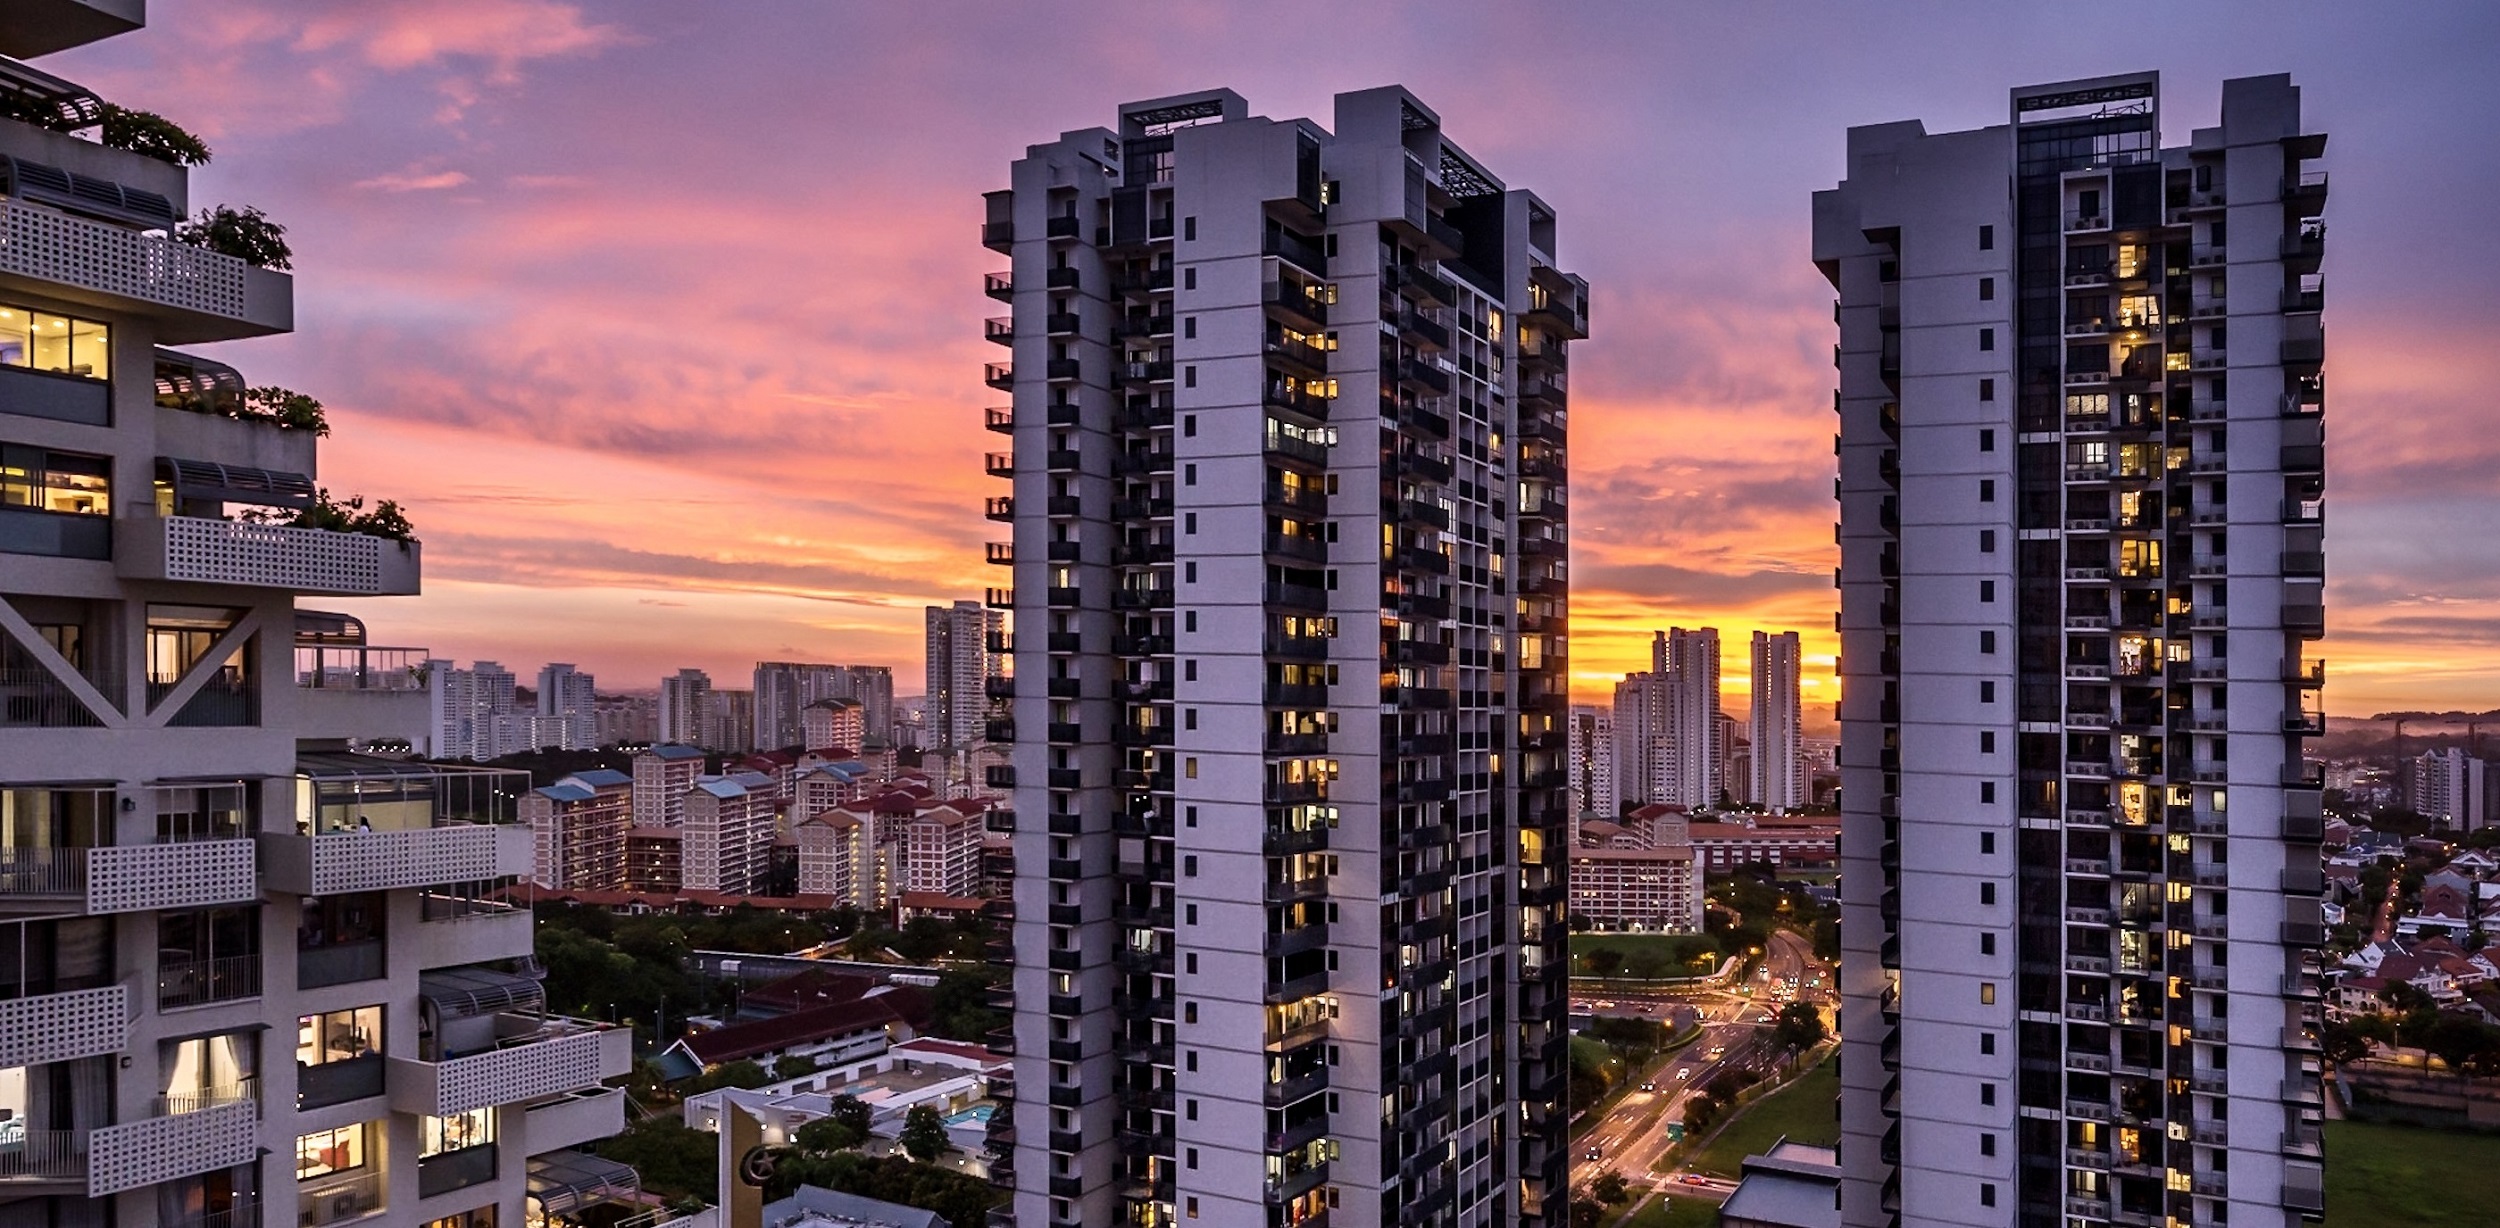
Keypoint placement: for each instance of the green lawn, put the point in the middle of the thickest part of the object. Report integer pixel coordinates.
(1676, 1212)
(2405, 1177)
(1672, 954)
(1802, 1111)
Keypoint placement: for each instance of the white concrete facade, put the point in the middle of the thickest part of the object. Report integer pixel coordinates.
(2046, 696)
(232, 940)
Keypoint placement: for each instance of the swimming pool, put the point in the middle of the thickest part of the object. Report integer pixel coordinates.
(977, 1115)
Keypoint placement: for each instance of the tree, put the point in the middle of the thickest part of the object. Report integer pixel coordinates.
(826, 1134)
(246, 234)
(959, 1007)
(151, 135)
(1799, 1027)
(675, 1160)
(852, 1112)
(739, 1074)
(1609, 1188)
(1586, 1214)
(924, 938)
(924, 1133)
(285, 408)
(792, 1066)
(2342, 1042)
(1603, 962)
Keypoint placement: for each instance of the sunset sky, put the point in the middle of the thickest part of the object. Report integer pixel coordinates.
(663, 320)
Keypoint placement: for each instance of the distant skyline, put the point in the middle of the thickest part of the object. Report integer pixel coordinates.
(663, 321)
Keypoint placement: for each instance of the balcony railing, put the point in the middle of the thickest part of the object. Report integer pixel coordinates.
(338, 862)
(207, 551)
(186, 1136)
(356, 667)
(539, 1055)
(198, 982)
(62, 1027)
(195, 294)
(134, 877)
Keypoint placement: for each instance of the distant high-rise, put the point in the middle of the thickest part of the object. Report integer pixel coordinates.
(1289, 703)
(784, 689)
(2081, 511)
(475, 713)
(2447, 786)
(567, 706)
(962, 654)
(1592, 761)
(1690, 769)
(1640, 737)
(1776, 733)
(685, 699)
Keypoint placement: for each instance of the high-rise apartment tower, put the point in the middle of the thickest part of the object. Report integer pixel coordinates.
(249, 974)
(1288, 699)
(1778, 765)
(1691, 754)
(2081, 503)
(965, 641)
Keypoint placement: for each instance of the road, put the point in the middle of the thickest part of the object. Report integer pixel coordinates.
(1634, 1132)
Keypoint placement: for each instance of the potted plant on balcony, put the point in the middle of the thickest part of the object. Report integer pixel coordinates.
(348, 515)
(285, 409)
(151, 135)
(246, 234)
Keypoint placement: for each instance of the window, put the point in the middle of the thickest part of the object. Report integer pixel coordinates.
(1987, 390)
(482, 1217)
(1189, 814)
(1987, 289)
(1192, 1158)
(1987, 238)
(1189, 229)
(1189, 426)
(206, 1071)
(1189, 869)
(1189, 964)
(1987, 993)
(1189, 670)
(1189, 520)
(1987, 490)
(1189, 767)
(40, 480)
(1987, 541)
(1987, 339)
(1987, 1043)
(1987, 439)
(1189, 620)
(338, 1056)
(1988, 642)
(1189, 915)
(1988, 893)
(1987, 690)
(207, 955)
(1189, 475)
(1189, 575)
(1189, 718)
(1988, 843)
(1987, 791)
(324, 1152)
(1987, 944)
(458, 1132)
(1987, 1145)
(1189, 279)
(1189, 376)
(1987, 1194)
(1987, 1093)
(1189, 330)
(1987, 590)
(63, 345)
(1987, 741)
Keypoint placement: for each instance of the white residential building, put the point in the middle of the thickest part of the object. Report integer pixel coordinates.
(2448, 786)
(1692, 751)
(1289, 700)
(567, 709)
(685, 702)
(2081, 514)
(247, 978)
(1592, 762)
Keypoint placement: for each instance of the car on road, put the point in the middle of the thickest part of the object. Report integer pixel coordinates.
(1594, 1153)
(1694, 1179)
(1684, 1074)
(1650, 1086)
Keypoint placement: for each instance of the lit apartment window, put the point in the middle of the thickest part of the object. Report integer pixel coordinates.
(64, 345)
(41, 480)
(338, 1056)
(455, 1152)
